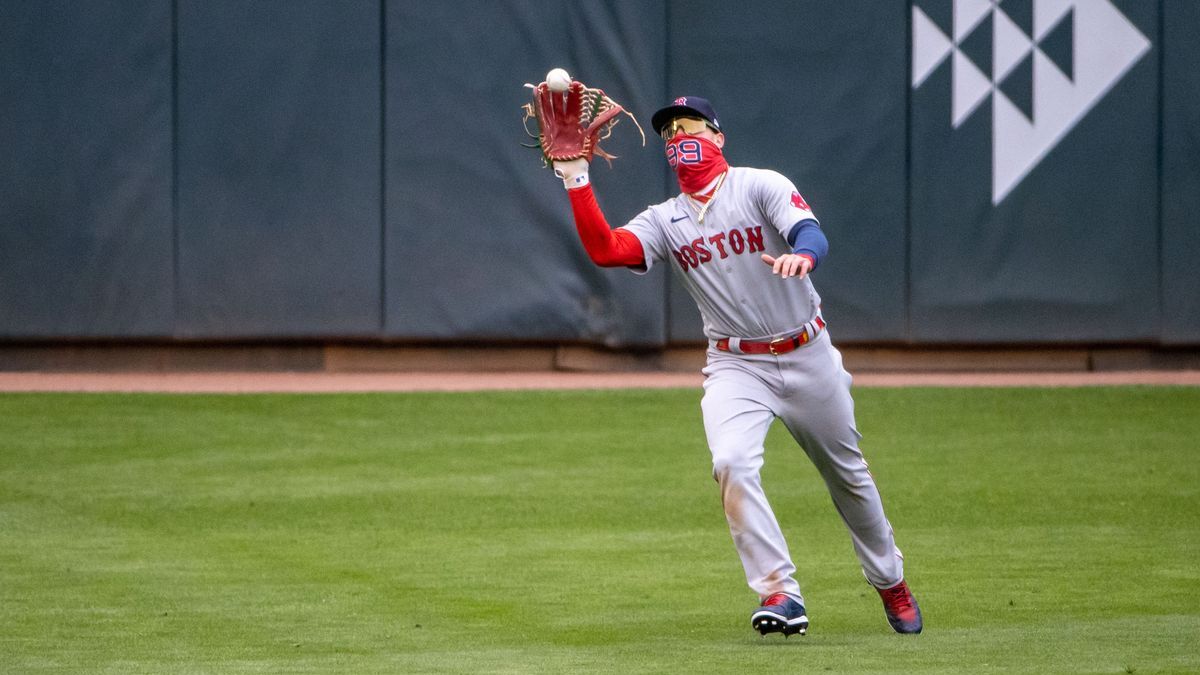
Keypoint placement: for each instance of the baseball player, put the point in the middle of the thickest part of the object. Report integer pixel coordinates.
(744, 243)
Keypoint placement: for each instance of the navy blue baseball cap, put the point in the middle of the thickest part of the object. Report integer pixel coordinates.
(685, 106)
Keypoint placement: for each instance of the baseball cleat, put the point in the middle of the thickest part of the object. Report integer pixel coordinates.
(901, 608)
(780, 613)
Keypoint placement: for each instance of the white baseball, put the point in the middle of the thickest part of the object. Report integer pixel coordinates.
(558, 79)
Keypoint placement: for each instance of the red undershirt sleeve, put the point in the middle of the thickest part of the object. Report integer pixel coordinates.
(605, 246)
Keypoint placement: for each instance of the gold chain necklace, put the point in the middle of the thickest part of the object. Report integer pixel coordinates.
(704, 209)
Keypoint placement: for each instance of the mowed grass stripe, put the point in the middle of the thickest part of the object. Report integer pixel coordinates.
(1045, 530)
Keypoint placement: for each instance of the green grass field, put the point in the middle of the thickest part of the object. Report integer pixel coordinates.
(1045, 531)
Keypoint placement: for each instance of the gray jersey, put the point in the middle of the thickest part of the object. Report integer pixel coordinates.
(719, 260)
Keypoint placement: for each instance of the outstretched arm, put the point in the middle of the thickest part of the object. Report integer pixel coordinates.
(605, 246)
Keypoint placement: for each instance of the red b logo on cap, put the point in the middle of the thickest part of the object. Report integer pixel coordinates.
(682, 100)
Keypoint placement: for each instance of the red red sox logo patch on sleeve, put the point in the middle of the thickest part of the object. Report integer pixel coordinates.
(798, 201)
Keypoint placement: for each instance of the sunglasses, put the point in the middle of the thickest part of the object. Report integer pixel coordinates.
(686, 125)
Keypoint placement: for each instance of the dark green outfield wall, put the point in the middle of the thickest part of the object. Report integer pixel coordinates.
(312, 169)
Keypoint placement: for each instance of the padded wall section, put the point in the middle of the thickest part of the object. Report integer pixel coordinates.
(1034, 178)
(1181, 173)
(85, 169)
(279, 168)
(480, 239)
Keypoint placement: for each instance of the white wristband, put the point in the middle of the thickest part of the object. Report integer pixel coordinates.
(574, 173)
(576, 181)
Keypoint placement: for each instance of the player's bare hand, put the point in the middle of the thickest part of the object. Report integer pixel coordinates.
(789, 265)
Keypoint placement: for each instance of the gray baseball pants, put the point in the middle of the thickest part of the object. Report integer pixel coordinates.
(809, 390)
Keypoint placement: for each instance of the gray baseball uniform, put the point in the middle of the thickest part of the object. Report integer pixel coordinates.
(719, 262)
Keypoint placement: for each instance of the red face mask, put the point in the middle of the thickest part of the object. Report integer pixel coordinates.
(697, 161)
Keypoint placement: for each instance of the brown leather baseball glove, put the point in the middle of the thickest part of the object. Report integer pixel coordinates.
(572, 123)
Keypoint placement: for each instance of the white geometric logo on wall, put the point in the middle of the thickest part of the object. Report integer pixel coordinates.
(1044, 63)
